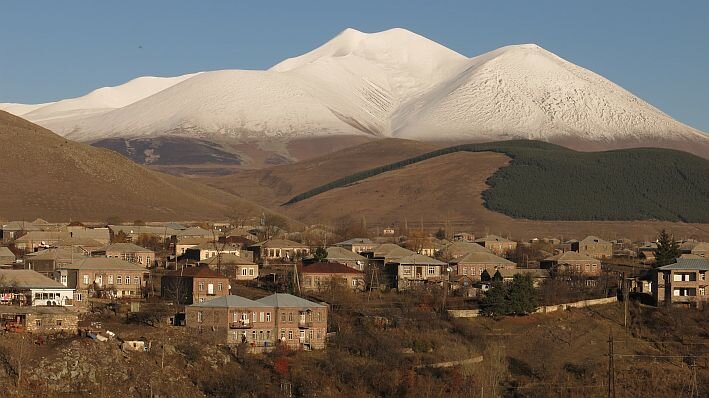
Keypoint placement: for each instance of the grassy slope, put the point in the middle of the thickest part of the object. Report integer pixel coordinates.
(272, 186)
(46, 176)
(549, 182)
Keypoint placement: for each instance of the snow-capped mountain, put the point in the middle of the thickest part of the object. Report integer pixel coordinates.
(393, 83)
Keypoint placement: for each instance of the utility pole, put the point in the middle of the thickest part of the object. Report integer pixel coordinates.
(611, 367)
(626, 298)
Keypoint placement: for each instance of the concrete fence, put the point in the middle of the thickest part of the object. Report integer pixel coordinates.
(540, 310)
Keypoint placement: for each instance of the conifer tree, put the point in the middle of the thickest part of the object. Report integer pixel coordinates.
(667, 249)
(522, 295)
(495, 301)
(485, 276)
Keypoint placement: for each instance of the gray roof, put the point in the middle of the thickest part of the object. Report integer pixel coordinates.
(230, 301)
(228, 259)
(342, 254)
(457, 249)
(687, 264)
(593, 239)
(143, 229)
(279, 244)
(419, 259)
(194, 231)
(27, 279)
(355, 241)
(492, 238)
(391, 251)
(285, 300)
(104, 263)
(124, 247)
(55, 254)
(481, 258)
(37, 236)
(570, 256)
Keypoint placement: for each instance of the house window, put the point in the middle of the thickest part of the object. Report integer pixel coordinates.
(220, 286)
(127, 279)
(251, 272)
(235, 317)
(701, 291)
(253, 335)
(201, 299)
(354, 282)
(64, 280)
(59, 322)
(200, 317)
(79, 297)
(86, 279)
(290, 335)
(407, 270)
(268, 317)
(243, 272)
(261, 317)
(38, 323)
(283, 334)
(201, 286)
(137, 280)
(268, 335)
(702, 276)
(110, 279)
(119, 280)
(290, 317)
(431, 270)
(465, 270)
(148, 261)
(283, 316)
(253, 316)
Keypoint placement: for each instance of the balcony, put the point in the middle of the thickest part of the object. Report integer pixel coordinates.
(305, 324)
(240, 325)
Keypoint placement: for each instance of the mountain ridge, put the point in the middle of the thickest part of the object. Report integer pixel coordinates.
(394, 83)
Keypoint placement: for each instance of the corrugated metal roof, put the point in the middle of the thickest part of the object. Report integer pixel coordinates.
(285, 300)
(481, 258)
(27, 279)
(105, 263)
(230, 301)
(687, 264)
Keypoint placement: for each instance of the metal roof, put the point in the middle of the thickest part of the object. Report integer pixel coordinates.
(687, 264)
(230, 301)
(285, 300)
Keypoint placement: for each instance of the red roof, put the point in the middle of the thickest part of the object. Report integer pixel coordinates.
(329, 268)
(195, 272)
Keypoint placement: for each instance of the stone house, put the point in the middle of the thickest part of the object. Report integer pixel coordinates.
(35, 240)
(318, 276)
(497, 244)
(417, 269)
(573, 262)
(357, 245)
(683, 282)
(538, 275)
(49, 260)
(458, 249)
(39, 320)
(128, 252)
(208, 250)
(276, 319)
(274, 249)
(473, 264)
(341, 255)
(193, 285)
(464, 237)
(233, 266)
(594, 246)
(27, 287)
(181, 246)
(111, 277)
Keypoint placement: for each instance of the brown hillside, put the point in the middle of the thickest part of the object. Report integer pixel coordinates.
(448, 189)
(275, 185)
(45, 175)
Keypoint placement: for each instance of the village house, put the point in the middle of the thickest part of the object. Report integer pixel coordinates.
(194, 232)
(128, 252)
(49, 260)
(573, 262)
(35, 240)
(237, 267)
(107, 276)
(193, 285)
(134, 232)
(276, 319)
(417, 269)
(594, 246)
(39, 320)
(357, 245)
(432, 246)
(207, 250)
(464, 237)
(85, 246)
(7, 257)
(14, 229)
(538, 275)
(27, 287)
(683, 282)
(497, 244)
(274, 249)
(475, 263)
(341, 255)
(317, 277)
(181, 246)
(387, 253)
(458, 249)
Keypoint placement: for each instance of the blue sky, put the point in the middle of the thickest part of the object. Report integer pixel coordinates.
(50, 50)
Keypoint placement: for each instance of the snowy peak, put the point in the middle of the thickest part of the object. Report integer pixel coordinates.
(391, 83)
